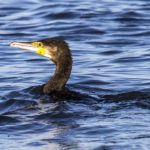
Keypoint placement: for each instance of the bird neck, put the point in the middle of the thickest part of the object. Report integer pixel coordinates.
(62, 72)
(60, 77)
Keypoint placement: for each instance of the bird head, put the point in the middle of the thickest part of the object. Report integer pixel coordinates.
(53, 48)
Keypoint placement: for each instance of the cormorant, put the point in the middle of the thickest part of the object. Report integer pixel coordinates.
(56, 50)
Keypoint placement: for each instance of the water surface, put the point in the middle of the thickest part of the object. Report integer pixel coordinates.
(110, 42)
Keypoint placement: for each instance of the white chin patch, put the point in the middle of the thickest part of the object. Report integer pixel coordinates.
(47, 55)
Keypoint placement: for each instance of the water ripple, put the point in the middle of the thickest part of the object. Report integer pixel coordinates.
(108, 103)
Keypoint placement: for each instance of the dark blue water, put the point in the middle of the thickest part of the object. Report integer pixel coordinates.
(110, 43)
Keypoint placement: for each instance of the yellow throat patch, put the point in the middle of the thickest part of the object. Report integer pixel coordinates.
(41, 51)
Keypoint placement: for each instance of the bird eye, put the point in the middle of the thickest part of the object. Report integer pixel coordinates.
(37, 44)
(40, 44)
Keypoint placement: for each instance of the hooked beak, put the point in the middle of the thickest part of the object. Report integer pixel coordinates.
(29, 46)
(24, 45)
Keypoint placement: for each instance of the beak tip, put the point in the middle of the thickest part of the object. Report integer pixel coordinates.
(12, 44)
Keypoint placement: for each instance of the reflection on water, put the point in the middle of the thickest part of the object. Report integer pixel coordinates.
(110, 79)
